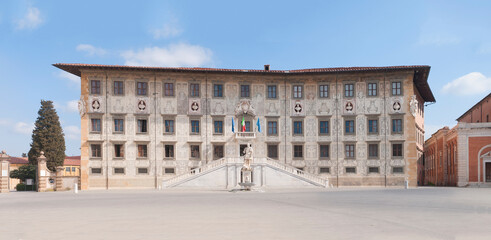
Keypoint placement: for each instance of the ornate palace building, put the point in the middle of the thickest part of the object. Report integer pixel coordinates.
(164, 127)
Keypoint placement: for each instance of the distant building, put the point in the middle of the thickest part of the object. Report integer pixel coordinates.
(354, 126)
(461, 156)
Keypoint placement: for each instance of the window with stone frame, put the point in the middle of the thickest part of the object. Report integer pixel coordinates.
(142, 151)
(373, 150)
(397, 150)
(217, 90)
(323, 127)
(218, 152)
(95, 150)
(349, 90)
(141, 126)
(168, 89)
(271, 91)
(349, 151)
(272, 128)
(298, 127)
(373, 126)
(194, 89)
(169, 171)
(397, 88)
(397, 126)
(324, 151)
(118, 125)
(247, 126)
(373, 170)
(297, 91)
(349, 127)
(95, 125)
(298, 151)
(218, 127)
(168, 151)
(195, 153)
(350, 169)
(119, 150)
(96, 171)
(95, 87)
(118, 170)
(142, 170)
(273, 151)
(324, 170)
(324, 91)
(372, 89)
(397, 170)
(169, 125)
(245, 91)
(195, 127)
(142, 88)
(118, 88)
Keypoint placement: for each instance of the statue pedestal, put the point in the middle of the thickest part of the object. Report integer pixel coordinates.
(246, 179)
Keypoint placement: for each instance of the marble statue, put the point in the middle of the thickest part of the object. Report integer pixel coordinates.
(248, 151)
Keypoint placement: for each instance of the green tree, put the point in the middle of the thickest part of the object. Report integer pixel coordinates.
(48, 137)
(24, 172)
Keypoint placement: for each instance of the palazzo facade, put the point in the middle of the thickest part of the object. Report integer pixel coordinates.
(353, 126)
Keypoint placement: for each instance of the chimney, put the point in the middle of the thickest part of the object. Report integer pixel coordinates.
(266, 67)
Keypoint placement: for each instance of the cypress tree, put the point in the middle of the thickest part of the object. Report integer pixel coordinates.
(48, 137)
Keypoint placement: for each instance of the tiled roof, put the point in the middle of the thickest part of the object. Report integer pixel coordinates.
(72, 161)
(18, 160)
(420, 72)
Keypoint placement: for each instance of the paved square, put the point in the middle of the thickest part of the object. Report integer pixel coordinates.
(361, 213)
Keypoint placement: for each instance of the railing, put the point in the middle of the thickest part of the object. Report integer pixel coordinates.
(212, 165)
(245, 135)
(295, 171)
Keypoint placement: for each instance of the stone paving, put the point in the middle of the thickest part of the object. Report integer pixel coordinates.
(346, 213)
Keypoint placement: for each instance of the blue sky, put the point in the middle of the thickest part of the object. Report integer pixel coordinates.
(453, 37)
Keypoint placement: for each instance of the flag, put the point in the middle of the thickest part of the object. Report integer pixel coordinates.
(243, 124)
(258, 125)
(233, 129)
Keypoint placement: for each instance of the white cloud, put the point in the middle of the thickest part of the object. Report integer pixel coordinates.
(472, 83)
(167, 30)
(72, 106)
(23, 128)
(91, 50)
(438, 39)
(31, 20)
(72, 132)
(4, 122)
(174, 55)
(69, 76)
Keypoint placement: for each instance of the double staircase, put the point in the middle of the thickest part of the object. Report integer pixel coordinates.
(274, 165)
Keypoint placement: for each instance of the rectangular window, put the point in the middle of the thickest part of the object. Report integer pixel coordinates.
(118, 88)
(118, 170)
(373, 150)
(96, 170)
(372, 89)
(194, 90)
(217, 90)
(397, 150)
(194, 126)
(169, 151)
(349, 151)
(118, 150)
(397, 170)
(195, 151)
(168, 126)
(298, 151)
(297, 91)
(169, 89)
(350, 170)
(349, 127)
(245, 91)
(142, 170)
(272, 91)
(324, 151)
(323, 91)
(273, 151)
(73, 169)
(272, 128)
(141, 88)
(247, 126)
(217, 152)
(323, 127)
(142, 151)
(95, 87)
(218, 125)
(324, 170)
(67, 169)
(373, 170)
(95, 125)
(118, 125)
(95, 150)
(349, 90)
(297, 127)
(169, 170)
(372, 126)
(142, 126)
(397, 126)
(396, 88)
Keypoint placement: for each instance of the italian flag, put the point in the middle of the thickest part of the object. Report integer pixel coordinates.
(243, 124)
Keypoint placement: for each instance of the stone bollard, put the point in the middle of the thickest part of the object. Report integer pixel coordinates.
(4, 172)
(42, 174)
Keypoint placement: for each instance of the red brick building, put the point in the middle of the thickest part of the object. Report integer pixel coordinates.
(461, 156)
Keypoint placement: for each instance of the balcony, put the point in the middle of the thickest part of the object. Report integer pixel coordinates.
(245, 135)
